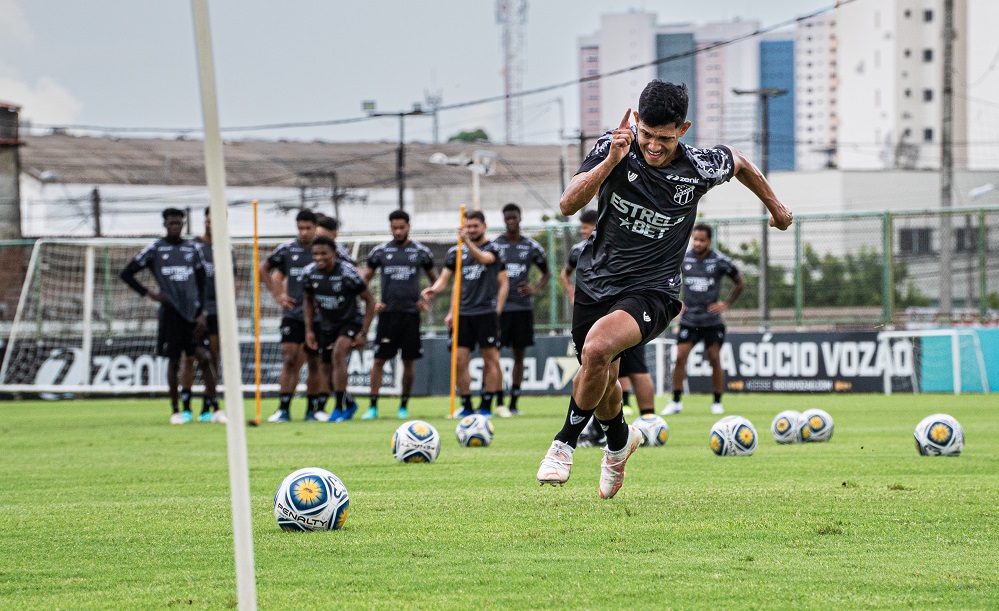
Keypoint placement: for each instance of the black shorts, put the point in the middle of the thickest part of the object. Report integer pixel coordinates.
(517, 329)
(633, 361)
(714, 334)
(212, 324)
(481, 329)
(398, 332)
(328, 335)
(176, 334)
(293, 332)
(651, 310)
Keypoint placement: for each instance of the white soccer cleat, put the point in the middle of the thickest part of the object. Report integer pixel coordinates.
(176, 418)
(716, 408)
(279, 416)
(503, 411)
(556, 465)
(219, 417)
(673, 407)
(612, 466)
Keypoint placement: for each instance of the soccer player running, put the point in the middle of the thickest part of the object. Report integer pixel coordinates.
(701, 316)
(517, 320)
(628, 277)
(484, 287)
(282, 273)
(180, 276)
(332, 287)
(210, 411)
(400, 260)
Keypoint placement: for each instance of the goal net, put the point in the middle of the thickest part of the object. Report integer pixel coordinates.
(934, 360)
(79, 329)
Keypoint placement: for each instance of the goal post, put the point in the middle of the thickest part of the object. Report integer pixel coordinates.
(948, 360)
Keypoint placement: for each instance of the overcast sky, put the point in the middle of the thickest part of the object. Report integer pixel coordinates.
(123, 63)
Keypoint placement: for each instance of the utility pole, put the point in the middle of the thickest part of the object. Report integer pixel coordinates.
(947, 165)
(95, 204)
(764, 94)
(400, 164)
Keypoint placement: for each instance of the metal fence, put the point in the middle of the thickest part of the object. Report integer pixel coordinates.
(864, 270)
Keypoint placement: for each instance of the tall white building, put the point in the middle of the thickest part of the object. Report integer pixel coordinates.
(816, 92)
(890, 86)
(634, 38)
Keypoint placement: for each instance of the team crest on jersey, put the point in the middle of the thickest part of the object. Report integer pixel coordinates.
(684, 193)
(632, 176)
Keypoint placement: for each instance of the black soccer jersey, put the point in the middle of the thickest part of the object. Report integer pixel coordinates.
(342, 252)
(400, 276)
(479, 283)
(178, 271)
(208, 260)
(519, 256)
(577, 249)
(335, 293)
(292, 258)
(702, 286)
(645, 218)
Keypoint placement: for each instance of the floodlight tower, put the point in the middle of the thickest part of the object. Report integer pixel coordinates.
(512, 16)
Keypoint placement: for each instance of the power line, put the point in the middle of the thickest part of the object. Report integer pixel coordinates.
(466, 104)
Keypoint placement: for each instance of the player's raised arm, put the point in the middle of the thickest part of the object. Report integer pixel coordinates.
(584, 186)
(439, 285)
(751, 176)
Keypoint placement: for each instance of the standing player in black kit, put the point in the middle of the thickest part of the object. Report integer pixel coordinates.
(628, 278)
(701, 318)
(399, 309)
(180, 276)
(517, 320)
(484, 287)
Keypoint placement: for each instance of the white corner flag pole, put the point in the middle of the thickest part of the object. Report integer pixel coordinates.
(239, 475)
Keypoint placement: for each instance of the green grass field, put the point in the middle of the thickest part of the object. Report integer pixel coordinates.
(104, 505)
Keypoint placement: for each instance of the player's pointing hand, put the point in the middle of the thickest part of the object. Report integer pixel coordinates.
(621, 139)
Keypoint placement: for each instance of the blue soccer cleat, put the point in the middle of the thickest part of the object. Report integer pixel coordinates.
(186, 416)
(402, 414)
(205, 417)
(371, 414)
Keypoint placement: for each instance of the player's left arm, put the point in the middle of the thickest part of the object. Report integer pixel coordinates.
(723, 306)
(504, 290)
(546, 276)
(309, 313)
(754, 180)
(201, 316)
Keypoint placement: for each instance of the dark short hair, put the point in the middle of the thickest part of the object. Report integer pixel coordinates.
(511, 207)
(329, 223)
(705, 228)
(307, 216)
(589, 217)
(324, 241)
(208, 210)
(476, 215)
(398, 215)
(172, 212)
(663, 103)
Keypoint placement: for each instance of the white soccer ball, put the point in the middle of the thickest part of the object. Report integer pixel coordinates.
(311, 499)
(654, 430)
(474, 431)
(786, 427)
(733, 436)
(816, 425)
(416, 441)
(939, 435)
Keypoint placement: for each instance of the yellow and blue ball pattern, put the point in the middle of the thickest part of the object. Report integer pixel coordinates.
(939, 435)
(817, 425)
(475, 431)
(416, 442)
(786, 427)
(654, 430)
(311, 499)
(733, 436)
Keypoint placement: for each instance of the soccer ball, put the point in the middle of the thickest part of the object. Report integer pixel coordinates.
(654, 430)
(311, 499)
(733, 436)
(416, 441)
(816, 425)
(786, 427)
(939, 435)
(474, 431)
